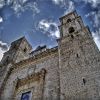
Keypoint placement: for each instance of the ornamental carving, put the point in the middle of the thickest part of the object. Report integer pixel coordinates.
(37, 83)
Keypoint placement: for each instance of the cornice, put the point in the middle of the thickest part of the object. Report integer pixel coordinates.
(73, 12)
(31, 78)
(35, 58)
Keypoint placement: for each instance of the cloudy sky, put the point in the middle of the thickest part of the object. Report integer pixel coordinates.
(38, 20)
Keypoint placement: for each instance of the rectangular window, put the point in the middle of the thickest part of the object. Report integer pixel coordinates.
(26, 96)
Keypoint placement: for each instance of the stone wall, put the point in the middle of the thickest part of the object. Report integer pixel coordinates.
(51, 81)
(79, 67)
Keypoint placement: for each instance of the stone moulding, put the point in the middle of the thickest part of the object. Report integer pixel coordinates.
(31, 78)
(36, 57)
(20, 84)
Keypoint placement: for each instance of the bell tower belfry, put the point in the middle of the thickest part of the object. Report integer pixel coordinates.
(70, 23)
(79, 60)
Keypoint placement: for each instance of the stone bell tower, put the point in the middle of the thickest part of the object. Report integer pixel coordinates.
(79, 60)
(18, 51)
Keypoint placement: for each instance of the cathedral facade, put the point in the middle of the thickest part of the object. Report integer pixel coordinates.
(69, 71)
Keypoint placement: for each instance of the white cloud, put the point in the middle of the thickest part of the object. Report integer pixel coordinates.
(3, 48)
(2, 3)
(89, 14)
(62, 3)
(20, 5)
(58, 1)
(96, 38)
(94, 3)
(1, 19)
(24, 1)
(1, 53)
(97, 19)
(48, 27)
(94, 16)
(71, 7)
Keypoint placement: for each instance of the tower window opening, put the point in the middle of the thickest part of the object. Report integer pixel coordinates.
(77, 55)
(68, 20)
(84, 81)
(71, 30)
(25, 49)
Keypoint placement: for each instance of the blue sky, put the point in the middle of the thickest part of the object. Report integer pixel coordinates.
(38, 20)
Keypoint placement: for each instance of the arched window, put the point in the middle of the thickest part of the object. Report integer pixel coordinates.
(84, 81)
(71, 30)
(25, 49)
(68, 20)
(26, 96)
